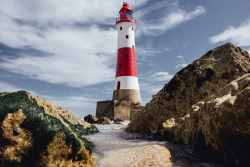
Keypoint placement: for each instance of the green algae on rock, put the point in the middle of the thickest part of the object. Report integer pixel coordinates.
(41, 123)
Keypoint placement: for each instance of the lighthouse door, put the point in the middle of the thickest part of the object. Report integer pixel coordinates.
(118, 85)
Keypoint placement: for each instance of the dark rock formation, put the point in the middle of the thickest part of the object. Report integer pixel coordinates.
(219, 126)
(196, 82)
(91, 119)
(205, 105)
(104, 120)
(34, 132)
(117, 120)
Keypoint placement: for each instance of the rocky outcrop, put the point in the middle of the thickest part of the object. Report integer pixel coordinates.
(117, 120)
(104, 120)
(93, 120)
(219, 126)
(146, 156)
(196, 82)
(34, 132)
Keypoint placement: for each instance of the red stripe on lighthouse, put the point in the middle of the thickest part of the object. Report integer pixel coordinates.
(126, 62)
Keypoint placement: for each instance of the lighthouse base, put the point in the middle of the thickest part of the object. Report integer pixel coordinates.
(127, 95)
(117, 109)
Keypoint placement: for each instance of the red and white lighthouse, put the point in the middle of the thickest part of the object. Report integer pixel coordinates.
(126, 80)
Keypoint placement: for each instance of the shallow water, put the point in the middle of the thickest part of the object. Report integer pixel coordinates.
(112, 137)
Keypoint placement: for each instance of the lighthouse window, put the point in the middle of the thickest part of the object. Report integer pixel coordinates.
(133, 46)
(120, 66)
(132, 28)
(118, 85)
(120, 28)
(127, 55)
(127, 36)
(129, 14)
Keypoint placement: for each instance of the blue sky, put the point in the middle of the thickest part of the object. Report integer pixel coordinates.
(64, 51)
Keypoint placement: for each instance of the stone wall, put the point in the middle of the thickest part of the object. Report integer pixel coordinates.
(117, 109)
(105, 109)
(127, 95)
(122, 109)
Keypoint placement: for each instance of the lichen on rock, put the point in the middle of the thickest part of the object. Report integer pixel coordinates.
(35, 132)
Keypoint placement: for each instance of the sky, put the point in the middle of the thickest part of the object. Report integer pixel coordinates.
(64, 51)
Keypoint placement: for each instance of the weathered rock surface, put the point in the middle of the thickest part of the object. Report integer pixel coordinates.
(104, 120)
(219, 125)
(34, 132)
(146, 156)
(117, 120)
(194, 83)
(93, 120)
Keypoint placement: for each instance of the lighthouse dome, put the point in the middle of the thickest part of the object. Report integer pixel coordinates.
(126, 7)
(126, 14)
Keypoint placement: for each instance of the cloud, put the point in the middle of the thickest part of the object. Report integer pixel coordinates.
(238, 35)
(161, 76)
(154, 82)
(167, 49)
(81, 105)
(169, 21)
(71, 101)
(67, 11)
(6, 87)
(143, 55)
(74, 57)
(76, 51)
(181, 65)
(150, 88)
(182, 62)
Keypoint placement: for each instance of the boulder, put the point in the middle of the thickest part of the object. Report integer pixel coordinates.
(219, 126)
(91, 119)
(196, 82)
(34, 132)
(146, 156)
(104, 120)
(117, 120)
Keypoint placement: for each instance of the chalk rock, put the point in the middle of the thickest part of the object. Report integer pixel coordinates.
(194, 83)
(146, 156)
(219, 126)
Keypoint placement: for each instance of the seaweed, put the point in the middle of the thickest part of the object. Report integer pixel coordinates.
(79, 130)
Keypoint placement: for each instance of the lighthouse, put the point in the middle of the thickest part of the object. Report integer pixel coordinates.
(126, 80)
(126, 95)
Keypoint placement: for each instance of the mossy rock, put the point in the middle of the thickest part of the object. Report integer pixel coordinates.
(41, 123)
